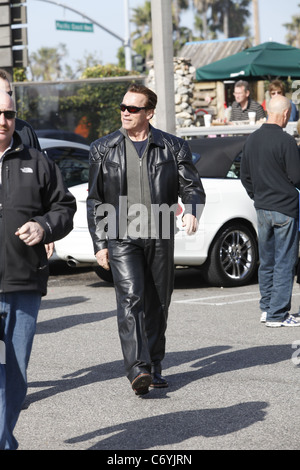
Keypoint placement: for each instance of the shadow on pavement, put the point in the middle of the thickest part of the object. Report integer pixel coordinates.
(171, 428)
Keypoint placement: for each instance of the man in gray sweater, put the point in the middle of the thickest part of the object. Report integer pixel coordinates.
(135, 172)
(270, 173)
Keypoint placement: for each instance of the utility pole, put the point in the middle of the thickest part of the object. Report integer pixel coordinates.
(162, 40)
(260, 91)
(127, 46)
(256, 22)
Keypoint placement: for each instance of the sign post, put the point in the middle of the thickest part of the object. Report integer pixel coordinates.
(125, 42)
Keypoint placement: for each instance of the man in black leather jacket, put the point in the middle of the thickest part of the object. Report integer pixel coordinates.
(136, 173)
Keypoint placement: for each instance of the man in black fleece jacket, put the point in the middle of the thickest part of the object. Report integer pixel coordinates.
(270, 173)
(23, 128)
(35, 208)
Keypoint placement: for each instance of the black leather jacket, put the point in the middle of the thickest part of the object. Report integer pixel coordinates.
(171, 174)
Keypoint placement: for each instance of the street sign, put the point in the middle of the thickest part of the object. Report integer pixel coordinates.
(74, 26)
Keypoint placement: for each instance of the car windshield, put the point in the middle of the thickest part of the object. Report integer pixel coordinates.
(218, 157)
(235, 169)
(73, 164)
(195, 157)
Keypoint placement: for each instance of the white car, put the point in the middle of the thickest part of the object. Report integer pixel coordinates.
(71, 157)
(225, 245)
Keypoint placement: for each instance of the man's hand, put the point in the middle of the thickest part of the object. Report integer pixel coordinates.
(49, 247)
(30, 233)
(102, 259)
(190, 223)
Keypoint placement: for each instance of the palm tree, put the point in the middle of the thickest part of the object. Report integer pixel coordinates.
(177, 7)
(142, 36)
(229, 17)
(226, 16)
(293, 31)
(45, 64)
(202, 6)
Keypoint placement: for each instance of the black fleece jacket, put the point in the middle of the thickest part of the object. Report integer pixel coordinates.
(270, 170)
(32, 189)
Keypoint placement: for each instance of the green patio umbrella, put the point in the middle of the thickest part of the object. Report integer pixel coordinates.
(266, 61)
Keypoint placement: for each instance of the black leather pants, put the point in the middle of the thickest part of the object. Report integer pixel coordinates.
(143, 272)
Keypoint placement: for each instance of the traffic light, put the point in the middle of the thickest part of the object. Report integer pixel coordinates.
(13, 33)
(139, 63)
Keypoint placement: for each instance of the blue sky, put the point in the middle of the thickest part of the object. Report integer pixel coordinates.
(110, 13)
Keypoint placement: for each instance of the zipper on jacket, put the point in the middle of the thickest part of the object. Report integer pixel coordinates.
(6, 176)
(143, 161)
(4, 185)
(141, 180)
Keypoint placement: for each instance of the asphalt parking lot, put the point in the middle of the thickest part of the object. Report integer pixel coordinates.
(233, 383)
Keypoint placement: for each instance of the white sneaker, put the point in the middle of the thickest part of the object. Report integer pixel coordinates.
(274, 324)
(289, 321)
(263, 317)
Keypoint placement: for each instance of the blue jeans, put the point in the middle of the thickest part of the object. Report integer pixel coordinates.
(18, 315)
(278, 242)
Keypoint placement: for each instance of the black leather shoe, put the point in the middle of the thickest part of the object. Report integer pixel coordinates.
(158, 381)
(141, 384)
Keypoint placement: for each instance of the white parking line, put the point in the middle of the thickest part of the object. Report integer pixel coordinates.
(219, 299)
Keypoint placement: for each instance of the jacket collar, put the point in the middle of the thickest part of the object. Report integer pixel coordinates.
(17, 142)
(115, 138)
(156, 137)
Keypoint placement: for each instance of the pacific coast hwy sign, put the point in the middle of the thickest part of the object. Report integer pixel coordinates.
(74, 26)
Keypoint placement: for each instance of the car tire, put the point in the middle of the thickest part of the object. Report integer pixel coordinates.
(104, 274)
(233, 257)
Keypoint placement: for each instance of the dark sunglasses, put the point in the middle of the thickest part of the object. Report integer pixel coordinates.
(9, 114)
(130, 109)
(9, 93)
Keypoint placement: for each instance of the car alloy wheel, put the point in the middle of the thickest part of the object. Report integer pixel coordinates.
(233, 257)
